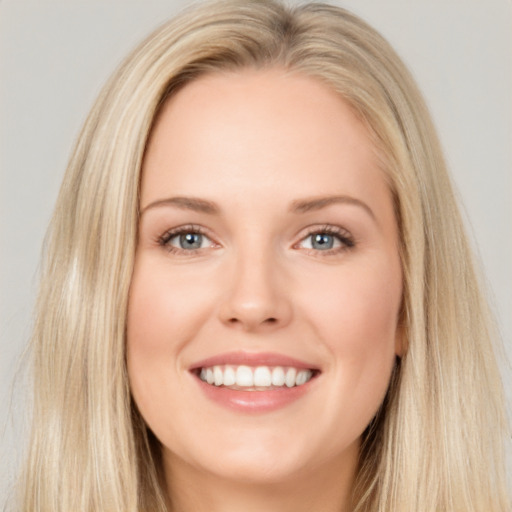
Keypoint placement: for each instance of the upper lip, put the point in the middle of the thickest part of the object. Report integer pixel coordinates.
(252, 359)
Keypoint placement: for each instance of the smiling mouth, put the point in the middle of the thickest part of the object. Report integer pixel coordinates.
(259, 378)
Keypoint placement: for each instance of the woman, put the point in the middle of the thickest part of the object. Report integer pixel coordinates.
(257, 292)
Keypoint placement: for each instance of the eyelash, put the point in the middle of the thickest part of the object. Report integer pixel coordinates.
(343, 236)
(164, 239)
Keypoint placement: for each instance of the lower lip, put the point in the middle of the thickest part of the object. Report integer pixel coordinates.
(254, 401)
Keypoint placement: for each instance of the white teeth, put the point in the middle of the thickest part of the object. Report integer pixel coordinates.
(229, 376)
(290, 377)
(249, 377)
(301, 378)
(262, 376)
(218, 376)
(278, 376)
(244, 376)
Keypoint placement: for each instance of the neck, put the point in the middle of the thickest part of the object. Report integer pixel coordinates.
(327, 489)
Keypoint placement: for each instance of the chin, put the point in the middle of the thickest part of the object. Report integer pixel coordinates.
(261, 457)
(260, 469)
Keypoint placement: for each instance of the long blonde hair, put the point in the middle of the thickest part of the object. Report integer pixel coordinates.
(436, 445)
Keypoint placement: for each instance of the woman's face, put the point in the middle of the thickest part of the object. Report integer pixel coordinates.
(262, 321)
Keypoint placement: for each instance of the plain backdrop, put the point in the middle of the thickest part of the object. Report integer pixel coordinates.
(55, 55)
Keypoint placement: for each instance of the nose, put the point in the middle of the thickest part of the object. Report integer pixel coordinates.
(256, 296)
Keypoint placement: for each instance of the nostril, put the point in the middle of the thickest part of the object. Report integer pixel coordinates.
(268, 321)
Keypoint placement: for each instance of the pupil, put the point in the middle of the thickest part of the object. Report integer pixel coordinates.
(322, 241)
(191, 241)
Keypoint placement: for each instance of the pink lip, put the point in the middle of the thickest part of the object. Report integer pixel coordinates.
(252, 401)
(252, 359)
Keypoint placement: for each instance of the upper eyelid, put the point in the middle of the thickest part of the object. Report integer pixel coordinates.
(186, 228)
(324, 228)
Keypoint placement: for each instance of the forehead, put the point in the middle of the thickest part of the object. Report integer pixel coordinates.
(280, 131)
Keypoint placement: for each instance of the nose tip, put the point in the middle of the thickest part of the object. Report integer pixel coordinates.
(256, 300)
(251, 317)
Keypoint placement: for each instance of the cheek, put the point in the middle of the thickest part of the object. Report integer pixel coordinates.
(168, 306)
(149, 341)
(164, 308)
(362, 305)
(355, 313)
(155, 331)
(147, 349)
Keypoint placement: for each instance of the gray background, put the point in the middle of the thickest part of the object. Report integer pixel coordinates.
(55, 55)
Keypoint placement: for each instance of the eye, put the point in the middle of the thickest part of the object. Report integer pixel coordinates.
(186, 239)
(330, 239)
(189, 241)
(321, 241)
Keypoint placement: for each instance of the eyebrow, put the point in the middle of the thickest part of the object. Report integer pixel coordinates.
(317, 203)
(298, 206)
(185, 203)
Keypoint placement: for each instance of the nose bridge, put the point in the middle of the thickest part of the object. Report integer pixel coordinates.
(255, 296)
